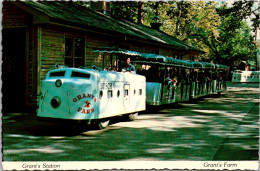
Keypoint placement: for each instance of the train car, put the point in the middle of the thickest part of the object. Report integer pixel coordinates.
(90, 95)
(220, 82)
(165, 79)
(209, 79)
(246, 76)
(172, 80)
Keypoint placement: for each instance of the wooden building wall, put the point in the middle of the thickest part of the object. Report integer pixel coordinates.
(14, 17)
(94, 41)
(52, 49)
(32, 61)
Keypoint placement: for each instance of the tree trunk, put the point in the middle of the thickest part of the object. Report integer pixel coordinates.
(256, 57)
(141, 12)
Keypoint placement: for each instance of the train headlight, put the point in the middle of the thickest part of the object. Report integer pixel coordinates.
(58, 83)
(55, 102)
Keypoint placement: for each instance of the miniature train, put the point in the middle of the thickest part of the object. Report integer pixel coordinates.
(82, 94)
(246, 76)
(87, 94)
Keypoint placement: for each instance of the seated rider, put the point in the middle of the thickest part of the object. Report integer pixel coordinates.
(169, 82)
(127, 66)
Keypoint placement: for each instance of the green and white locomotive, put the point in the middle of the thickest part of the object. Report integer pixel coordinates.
(91, 95)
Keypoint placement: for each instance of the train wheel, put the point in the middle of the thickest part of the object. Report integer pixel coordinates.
(132, 116)
(103, 124)
(80, 127)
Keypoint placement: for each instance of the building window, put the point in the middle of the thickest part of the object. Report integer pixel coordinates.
(74, 52)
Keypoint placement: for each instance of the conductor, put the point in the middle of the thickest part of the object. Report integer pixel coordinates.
(127, 66)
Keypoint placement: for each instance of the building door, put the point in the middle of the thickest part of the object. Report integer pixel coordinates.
(13, 69)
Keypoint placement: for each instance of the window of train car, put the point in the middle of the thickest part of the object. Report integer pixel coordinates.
(57, 74)
(109, 94)
(101, 94)
(134, 91)
(80, 75)
(118, 93)
(126, 92)
(140, 91)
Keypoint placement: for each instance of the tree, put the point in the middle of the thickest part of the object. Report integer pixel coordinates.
(239, 11)
(193, 22)
(235, 26)
(238, 47)
(127, 10)
(141, 12)
(176, 15)
(212, 27)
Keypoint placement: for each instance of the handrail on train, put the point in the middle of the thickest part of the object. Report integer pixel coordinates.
(149, 58)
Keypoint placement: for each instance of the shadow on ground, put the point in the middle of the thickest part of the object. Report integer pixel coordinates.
(216, 128)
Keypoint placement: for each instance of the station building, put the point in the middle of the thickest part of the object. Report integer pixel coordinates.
(36, 35)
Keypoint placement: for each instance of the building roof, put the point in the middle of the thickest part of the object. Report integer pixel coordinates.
(68, 12)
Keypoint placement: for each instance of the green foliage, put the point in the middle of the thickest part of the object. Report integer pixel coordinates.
(240, 10)
(83, 3)
(236, 46)
(127, 10)
(176, 14)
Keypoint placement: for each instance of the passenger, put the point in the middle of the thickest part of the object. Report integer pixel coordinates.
(188, 75)
(183, 77)
(194, 78)
(195, 75)
(225, 78)
(202, 81)
(208, 80)
(187, 82)
(127, 66)
(199, 82)
(220, 80)
(169, 82)
(207, 75)
(152, 74)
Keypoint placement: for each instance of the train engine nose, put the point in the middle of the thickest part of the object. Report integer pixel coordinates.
(55, 102)
(69, 93)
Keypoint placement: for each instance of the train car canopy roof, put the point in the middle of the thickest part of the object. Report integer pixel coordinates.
(149, 58)
(116, 51)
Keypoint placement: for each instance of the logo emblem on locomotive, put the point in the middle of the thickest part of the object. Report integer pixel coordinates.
(88, 106)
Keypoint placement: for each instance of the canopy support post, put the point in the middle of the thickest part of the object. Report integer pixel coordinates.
(103, 65)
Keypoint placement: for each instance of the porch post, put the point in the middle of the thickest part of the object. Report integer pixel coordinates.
(38, 67)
